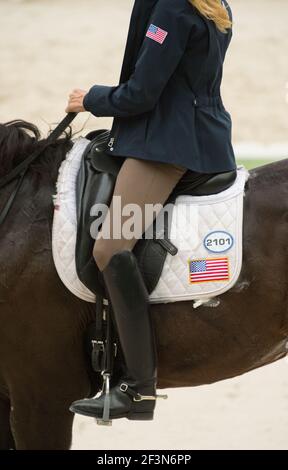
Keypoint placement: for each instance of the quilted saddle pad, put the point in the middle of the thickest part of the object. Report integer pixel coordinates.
(207, 231)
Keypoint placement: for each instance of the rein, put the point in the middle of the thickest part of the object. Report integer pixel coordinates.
(20, 170)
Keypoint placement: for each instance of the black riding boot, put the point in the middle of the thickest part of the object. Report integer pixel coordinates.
(134, 396)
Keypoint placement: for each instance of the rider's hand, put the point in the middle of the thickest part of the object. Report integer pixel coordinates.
(75, 101)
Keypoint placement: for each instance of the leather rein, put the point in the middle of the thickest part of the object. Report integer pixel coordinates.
(20, 170)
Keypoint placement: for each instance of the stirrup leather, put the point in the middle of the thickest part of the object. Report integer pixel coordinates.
(137, 396)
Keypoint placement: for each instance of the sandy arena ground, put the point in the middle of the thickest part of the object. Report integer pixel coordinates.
(48, 47)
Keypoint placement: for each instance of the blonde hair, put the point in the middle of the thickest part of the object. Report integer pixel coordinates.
(215, 11)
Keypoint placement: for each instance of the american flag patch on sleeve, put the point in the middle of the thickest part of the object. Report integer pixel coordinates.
(157, 34)
(208, 270)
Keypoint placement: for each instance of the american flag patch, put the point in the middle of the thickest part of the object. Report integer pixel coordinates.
(209, 270)
(157, 34)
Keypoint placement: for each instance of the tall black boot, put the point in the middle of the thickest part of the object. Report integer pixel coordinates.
(135, 394)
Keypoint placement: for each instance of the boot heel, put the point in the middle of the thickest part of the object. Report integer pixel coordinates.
(146, 416)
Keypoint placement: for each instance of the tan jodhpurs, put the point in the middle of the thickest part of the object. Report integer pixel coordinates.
(139, 182)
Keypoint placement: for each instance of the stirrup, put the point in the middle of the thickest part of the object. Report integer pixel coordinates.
(106, 421)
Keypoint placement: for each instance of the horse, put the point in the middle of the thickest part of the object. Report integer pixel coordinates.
(43, 366)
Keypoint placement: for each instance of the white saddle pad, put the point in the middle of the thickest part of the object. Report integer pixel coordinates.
(207, 231)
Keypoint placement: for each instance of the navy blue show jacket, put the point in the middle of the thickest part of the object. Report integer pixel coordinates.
(167, 106)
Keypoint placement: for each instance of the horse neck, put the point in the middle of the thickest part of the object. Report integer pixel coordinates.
(35, 195)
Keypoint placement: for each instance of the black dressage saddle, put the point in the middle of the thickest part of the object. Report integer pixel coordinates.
(95, 185)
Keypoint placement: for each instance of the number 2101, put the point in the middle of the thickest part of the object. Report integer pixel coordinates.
(218, 242)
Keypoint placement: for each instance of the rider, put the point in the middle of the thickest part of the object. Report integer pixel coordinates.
(168, 118)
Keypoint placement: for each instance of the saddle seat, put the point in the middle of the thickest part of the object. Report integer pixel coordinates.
(95, 185)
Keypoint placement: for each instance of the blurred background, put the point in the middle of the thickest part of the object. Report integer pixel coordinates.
(49, 47)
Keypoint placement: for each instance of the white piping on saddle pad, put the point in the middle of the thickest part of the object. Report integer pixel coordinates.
(65, 222)
(217, 213)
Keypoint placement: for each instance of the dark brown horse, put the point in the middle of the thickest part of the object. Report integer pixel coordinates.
(43, 367)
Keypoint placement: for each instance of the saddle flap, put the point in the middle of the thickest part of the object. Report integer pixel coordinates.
(94, 187)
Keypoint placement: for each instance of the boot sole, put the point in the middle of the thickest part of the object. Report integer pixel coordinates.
(146, 416)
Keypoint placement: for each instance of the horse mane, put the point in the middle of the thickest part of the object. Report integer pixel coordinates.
(19, 138)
